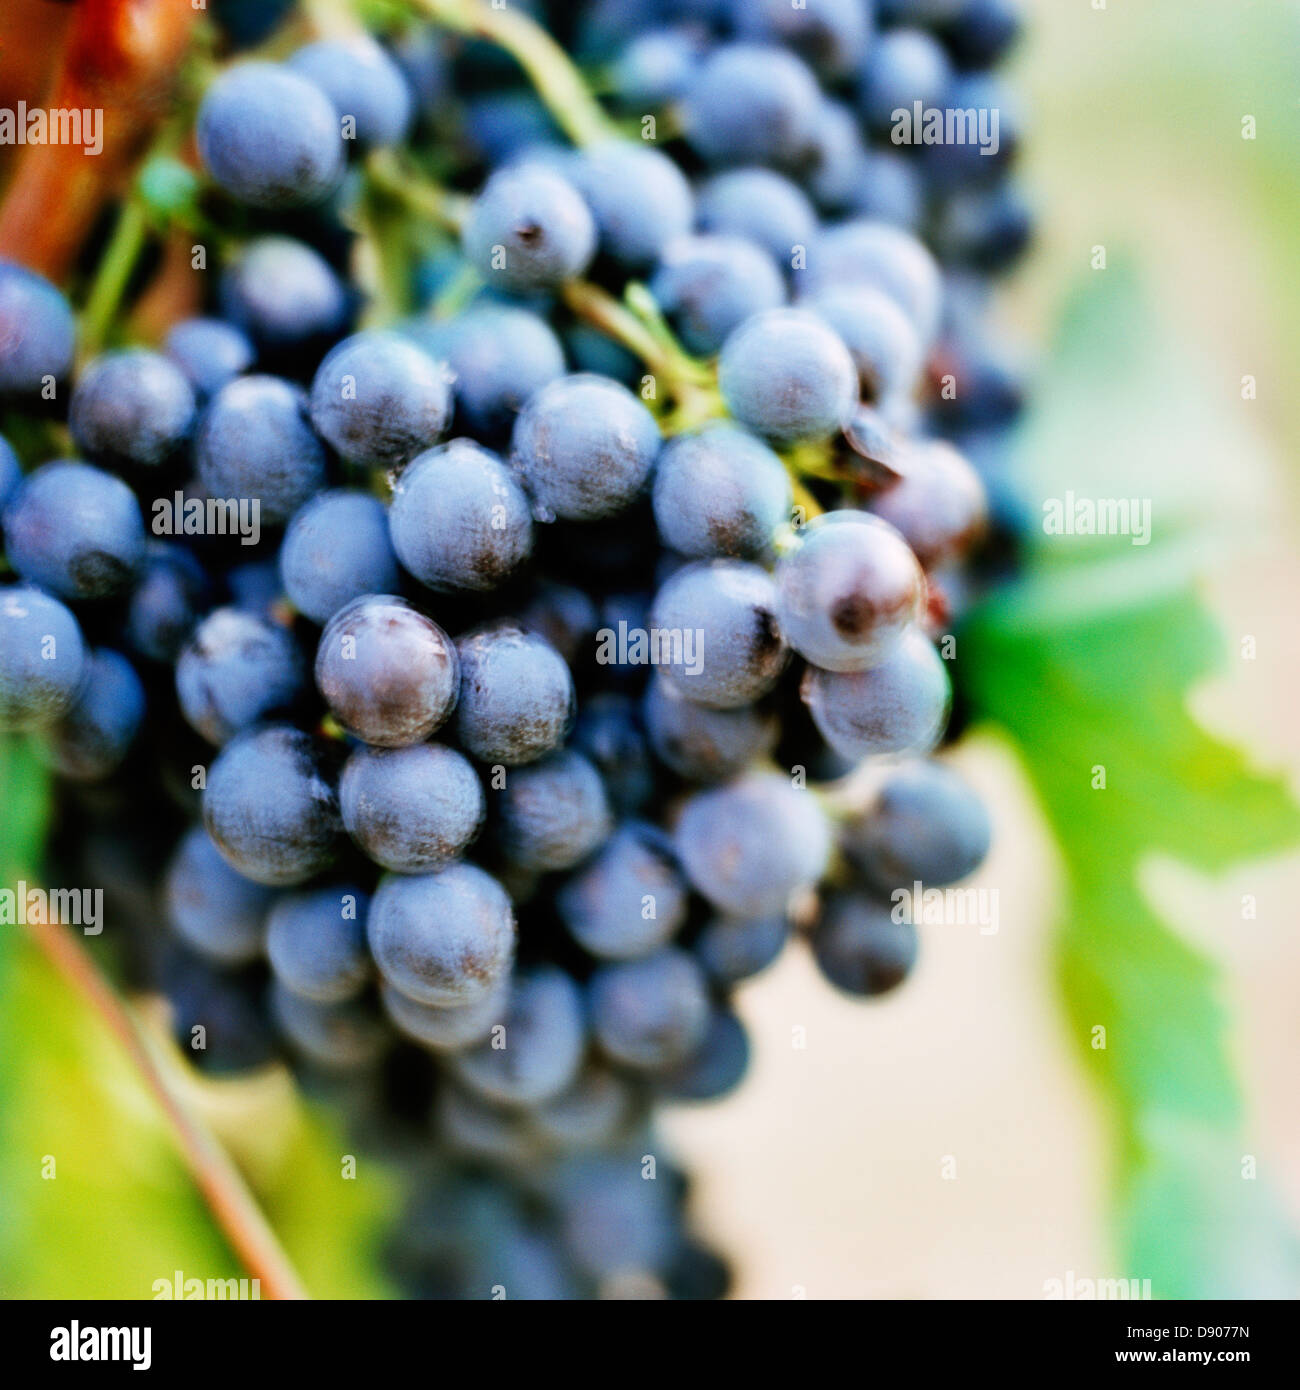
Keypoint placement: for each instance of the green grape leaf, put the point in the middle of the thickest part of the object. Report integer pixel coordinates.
(1087, 663)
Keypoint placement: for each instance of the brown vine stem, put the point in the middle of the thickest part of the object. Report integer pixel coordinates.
(232, 1205)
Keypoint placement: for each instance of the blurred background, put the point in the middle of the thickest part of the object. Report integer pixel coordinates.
(948, 1142)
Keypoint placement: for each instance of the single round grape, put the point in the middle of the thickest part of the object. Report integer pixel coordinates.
(630, 900)
(702, 744)
(256, 442)
(865, 252)
(379, 399)
(904, 66)
(270, 808)
(655, 68)
(529, 229)
(443, 939)
(236, 670)
(459, 519)
(284, 295)
(589, 1114)
(860, 947)
(900, 705)
(336, 549)
(709, 285)
(412, 810)
(787, 375)
(831, 35)
(338, 1038)
(584, 447)
(651, 1013)
(500, 356)
(925, 825)
(889, 189)
(879, 335)
(218, 912)
(833, 163)
(537, 1050)
(639, 197)
(131, 408)
(610, 733)
(389, 674)
(269, 137)
(939, 504)
(719, 644)
(363, 83)
(446, 1029)
(720, 492)
(716, 1067)
(613, 1222)
(516, 695)
(43, 659)
(93, 738)
(750, 846)
(751, 104)
(38, 335)
(732, 949)
(761, 205)
(847, 592)
(209, 353)
(553, 813)
(316, 943)
(564, 615)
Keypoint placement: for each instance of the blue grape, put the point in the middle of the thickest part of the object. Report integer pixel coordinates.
(316, 943)
(537, 1051)
(43, 659)
(639, 197)
(981, 31)
(338, 1038)
(11, 473)
(898, 706)
(565, 616)
(985, 230)
(751, 104)
(651, 1013)
(255, 442)
(94, 736)
(421, 56)
(761, 205)
(270, 807)
(613, 1221)
(750, 846)
(75, 530)
(889, 189)
(37, 334)
(589, 1114)
(284, 295)
(847, 592)
(720, 492)
(255, 587)
(553, 813)
(269, 137)
(335, 550)
(132, 408)
(831, 35)
(389, 674)
(656, 68)
(925, 825)
(585, 447)
(217, 1015)
(236, 670)
(709, 285)
(218, 912)
(459, 519)
(876, 253)
(444, 939)
(788, 376)
(362, 83)
(860, 947)
(630, 900)
(476, 1131)
(529, 229)
(833, 164)
(702, 744)
(508, 127)
(938, 505)
(732, 949)
(609, 732)
(413, 809)
(379, 399)
(904, 66)
(446, 1029)
(500, 356)
(516, 695)
(209, 352)
(590, 350)
(716, 1067)
(731, 652)
(879, 335)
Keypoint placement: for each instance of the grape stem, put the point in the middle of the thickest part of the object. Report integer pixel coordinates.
(120, 258)
(438, 205)
(232, 1205)
(559, 84)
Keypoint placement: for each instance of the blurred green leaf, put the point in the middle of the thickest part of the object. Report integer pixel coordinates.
(1088, 663)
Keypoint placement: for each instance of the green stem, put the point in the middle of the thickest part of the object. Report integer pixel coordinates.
(397, 180)
(559, 84)
(120, 258)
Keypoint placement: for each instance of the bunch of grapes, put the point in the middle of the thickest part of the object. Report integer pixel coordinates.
(605, 473)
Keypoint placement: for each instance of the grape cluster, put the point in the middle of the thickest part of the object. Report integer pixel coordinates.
(485, 766)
